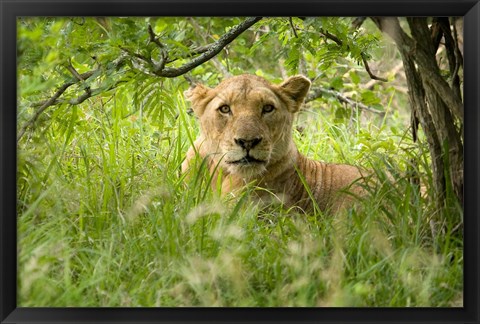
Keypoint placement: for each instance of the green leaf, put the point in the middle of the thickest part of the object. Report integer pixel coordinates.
(354, 77)
(369, 97)
(337, 83)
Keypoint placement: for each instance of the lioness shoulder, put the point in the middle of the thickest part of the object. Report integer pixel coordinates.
(246, 135)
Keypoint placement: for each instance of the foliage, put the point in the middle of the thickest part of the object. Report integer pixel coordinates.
(106, 219)
(111, 49)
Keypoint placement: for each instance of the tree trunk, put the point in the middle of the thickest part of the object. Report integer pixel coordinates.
(436, 104)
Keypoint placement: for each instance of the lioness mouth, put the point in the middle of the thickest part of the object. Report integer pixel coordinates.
(247, 160)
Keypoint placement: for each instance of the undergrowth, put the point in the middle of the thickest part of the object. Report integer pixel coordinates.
(106, 219)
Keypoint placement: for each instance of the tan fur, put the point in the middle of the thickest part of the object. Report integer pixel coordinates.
(281, 162)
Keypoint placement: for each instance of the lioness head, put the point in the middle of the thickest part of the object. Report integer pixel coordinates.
(246, 121)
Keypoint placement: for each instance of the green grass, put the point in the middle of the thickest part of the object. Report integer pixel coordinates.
(106, 219)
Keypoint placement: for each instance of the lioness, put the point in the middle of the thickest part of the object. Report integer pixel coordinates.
(246, 135)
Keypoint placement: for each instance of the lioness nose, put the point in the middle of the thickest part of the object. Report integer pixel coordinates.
(248, 144)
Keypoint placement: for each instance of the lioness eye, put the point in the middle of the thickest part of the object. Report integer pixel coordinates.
(224, 109)
(268, 108)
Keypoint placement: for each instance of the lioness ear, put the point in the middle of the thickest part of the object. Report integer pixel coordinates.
(296, 88)
(197, 96)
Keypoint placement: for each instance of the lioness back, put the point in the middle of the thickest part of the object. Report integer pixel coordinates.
(246, 136)
(332, 185)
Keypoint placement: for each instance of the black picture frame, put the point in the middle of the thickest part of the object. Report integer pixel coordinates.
(10, 9)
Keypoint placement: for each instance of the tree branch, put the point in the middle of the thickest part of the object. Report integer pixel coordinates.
(88, 91)
(163, 50)
(393, 72)
(203, 49)
(159, 69)
(196, 51)
(318, 92)
(367, 67)
(332, 37)
(54, 100)
(75, 73)
(391, 27)
(42, 108)
(432, 100)
(206, 52)
(453, 60)
(357, 22)
(293, 27)
(136, 55)
(209, 52)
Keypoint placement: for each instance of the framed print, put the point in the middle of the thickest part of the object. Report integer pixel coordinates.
(222, 161)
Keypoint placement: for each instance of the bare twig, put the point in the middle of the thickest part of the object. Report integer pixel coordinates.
(357, 22)
(458, 54)
(91, 93)
(293, 27)
(202, 49)
(393, 72)
(139, 56)
(215, 61)
(153, 37)
(196, 51)
(318, 92)
(80, 78)
(367, 67)
(332, 37)
(163, 50)
(74, 72)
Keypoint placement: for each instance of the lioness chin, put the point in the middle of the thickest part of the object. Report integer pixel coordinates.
(246, 136)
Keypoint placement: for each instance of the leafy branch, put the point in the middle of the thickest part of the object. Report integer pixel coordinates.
(41, 106)
(339, 42)
(158, 68)
(206, 52)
